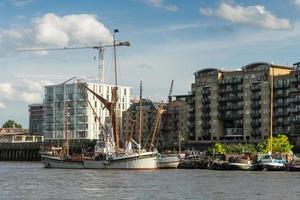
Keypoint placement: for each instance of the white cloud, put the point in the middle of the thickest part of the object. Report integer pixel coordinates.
(6, 90)
(162, 4)
(296, 2)
(2, 105)
(26, 90)
(51, 29)
(11, 39)
(255, 15)
(61, 31)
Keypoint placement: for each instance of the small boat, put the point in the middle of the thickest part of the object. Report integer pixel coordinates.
(294, 166)
(241, 164)
(269, 163)
(220, 165)
(167, 162)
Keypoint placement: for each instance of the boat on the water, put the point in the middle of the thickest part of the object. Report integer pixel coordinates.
(168, 162)
(241, 164)
(107, 152)
(269, 163)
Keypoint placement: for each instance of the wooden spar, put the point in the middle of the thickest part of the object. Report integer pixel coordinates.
(141, 118)
(98, 118)
(108, 105)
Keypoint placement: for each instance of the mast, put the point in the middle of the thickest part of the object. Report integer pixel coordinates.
(271, 110)
(141, 118)
(115, 92)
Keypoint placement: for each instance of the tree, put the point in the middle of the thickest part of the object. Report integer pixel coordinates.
(280, 144)
(217, 148)
(11, 124)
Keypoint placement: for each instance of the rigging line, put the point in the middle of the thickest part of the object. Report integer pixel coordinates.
(85, 96)
(130, 136)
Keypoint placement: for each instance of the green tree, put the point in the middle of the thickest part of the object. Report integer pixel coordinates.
(280, 144)
(10, 124)
(217, 148)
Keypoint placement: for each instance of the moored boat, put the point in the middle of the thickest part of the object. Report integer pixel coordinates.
(269, 163)
(168, 162)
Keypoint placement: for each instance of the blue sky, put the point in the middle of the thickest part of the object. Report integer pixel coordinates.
(171, 40)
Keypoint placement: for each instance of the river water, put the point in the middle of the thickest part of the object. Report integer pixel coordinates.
(29, 180)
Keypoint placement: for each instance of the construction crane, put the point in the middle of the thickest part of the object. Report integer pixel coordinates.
(156, 125)
(170, 92)
(100, 47)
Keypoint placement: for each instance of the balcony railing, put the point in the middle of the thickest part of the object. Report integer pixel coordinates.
(230, 116)
(255, 87)
(230, 81)
(205, 125)
(206, 117)
(230, 99)
(256, 115)
(255, 124)
(205, 100)
(255, 106)
(256, 97)
(230, 107)
(205, 92)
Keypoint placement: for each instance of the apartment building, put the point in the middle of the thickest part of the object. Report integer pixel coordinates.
(36, 114)
(131, 121)
(234, 106)
(82, 109)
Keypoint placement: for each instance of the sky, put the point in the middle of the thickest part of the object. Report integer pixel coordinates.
(171, 40)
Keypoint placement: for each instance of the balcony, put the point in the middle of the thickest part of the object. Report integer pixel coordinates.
(295, 80)
(255, 87)
(230, 107)
(205, 109)
(205, 100)
(255, 124)
(233, 132)
(230, 81)
(230, 99)
(281, 86)
(205, 125)
(206, 117)
(295, 100)
(205, 92)
(295, 120)
(227, 116)
(281, 104)
(230, 90)
(281, 94)
(294, 90)
(255, 106)
(295, 110)
(255, 97)
(256, 115)
(256, 133)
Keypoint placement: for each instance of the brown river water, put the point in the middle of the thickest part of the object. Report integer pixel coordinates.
(29, 180)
